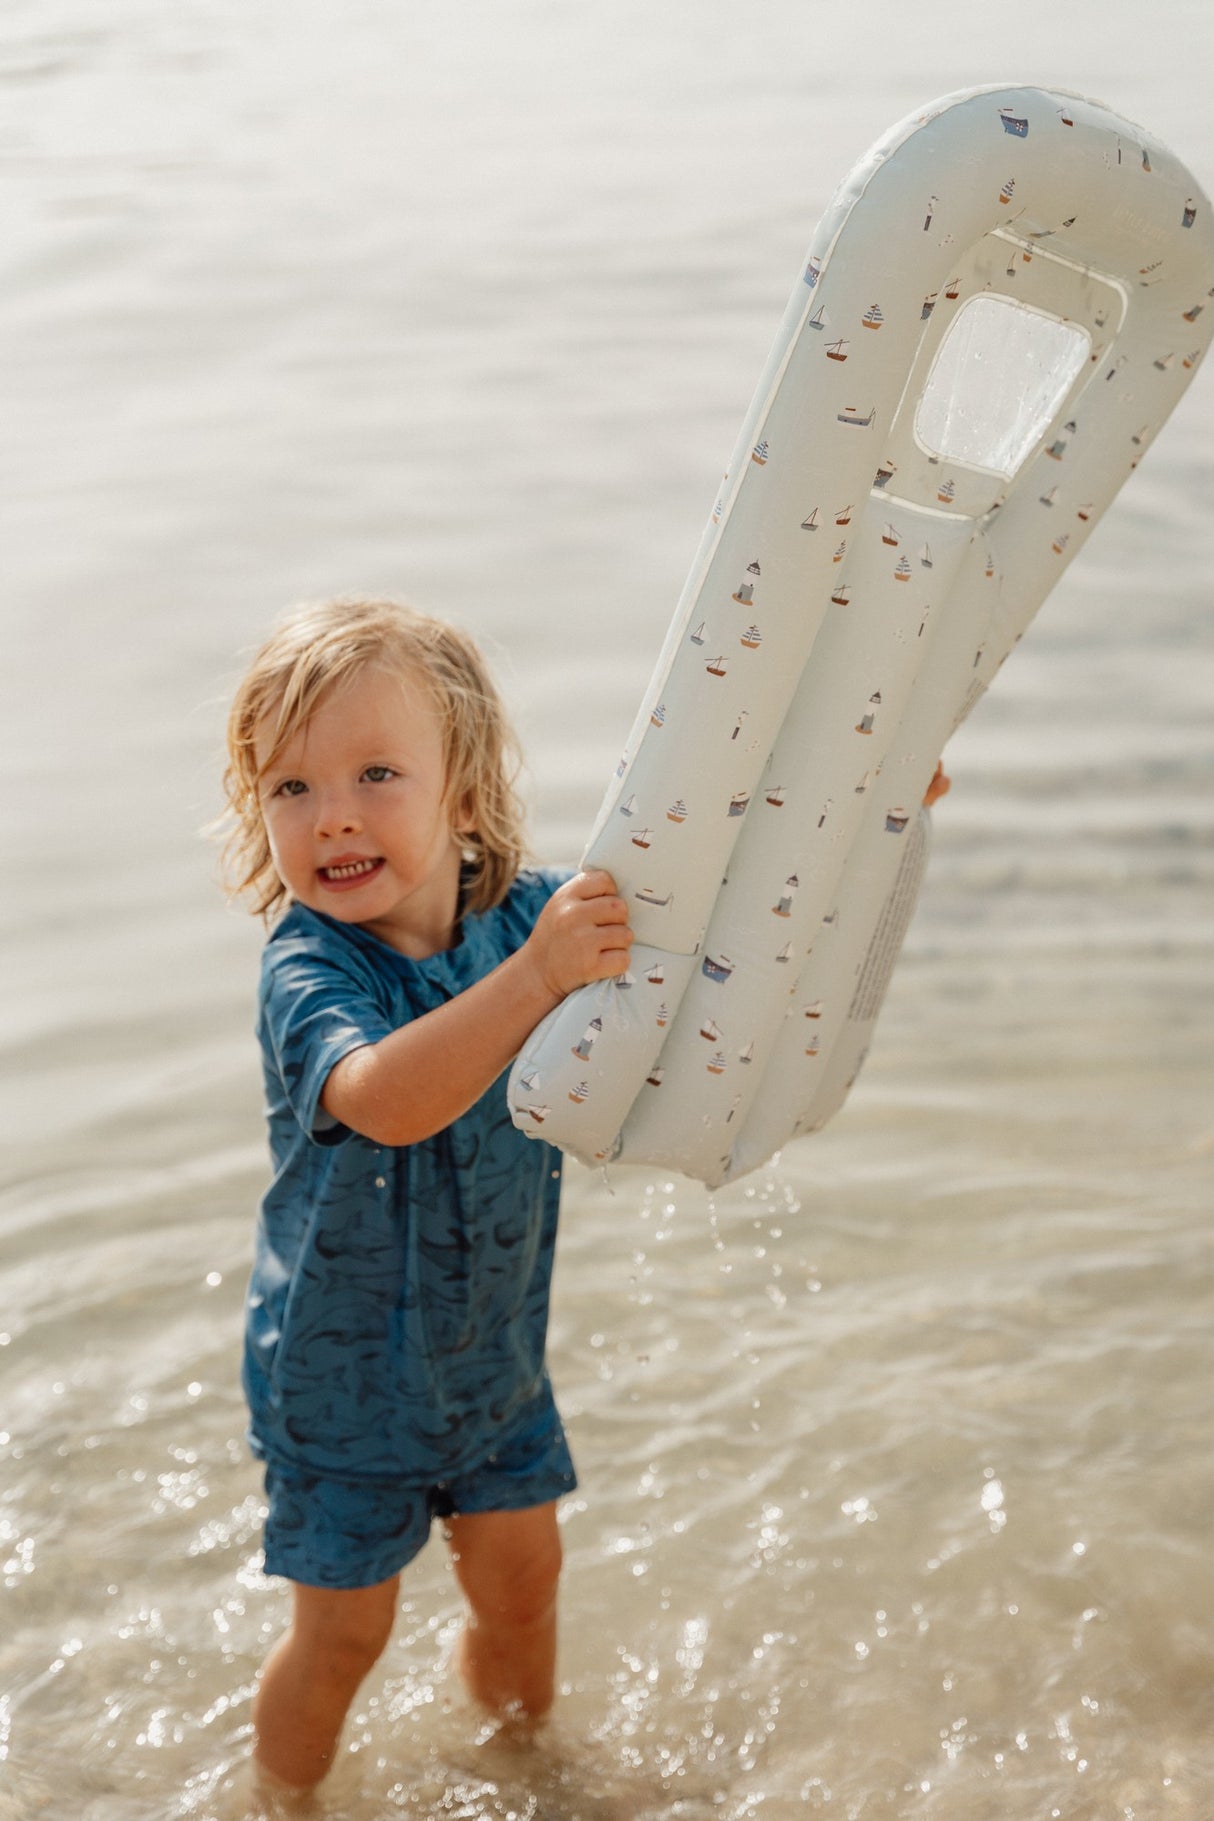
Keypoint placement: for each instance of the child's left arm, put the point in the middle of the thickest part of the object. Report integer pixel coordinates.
(421, 1077)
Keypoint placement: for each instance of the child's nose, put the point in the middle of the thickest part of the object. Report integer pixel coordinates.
(336, 814)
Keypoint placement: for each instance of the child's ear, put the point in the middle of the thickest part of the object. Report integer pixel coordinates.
(463, 821)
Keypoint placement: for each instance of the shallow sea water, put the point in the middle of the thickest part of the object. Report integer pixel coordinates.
(895, 1458)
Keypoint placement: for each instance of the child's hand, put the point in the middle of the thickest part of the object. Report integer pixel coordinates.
(939, 787)
(581, 934)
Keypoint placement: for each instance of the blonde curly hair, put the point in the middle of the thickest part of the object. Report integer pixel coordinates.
(321, 646)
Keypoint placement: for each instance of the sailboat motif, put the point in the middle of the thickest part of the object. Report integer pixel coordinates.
(1164, 361)
(697, 637)
(946, 492)
(658, 715)
(902, 569)
(579, 1091)
(837, 350)
(1008, 191)
(776, 796)
(819, 319)
(752, 638)
(716, 1063)
(642, 837)
(1060, 543)
(843, 516)
(656, 975)
(748, 1053)
(677, 811)
(715, 667)
(786, 953)
(840, 553)
(629, 808)
(890, 536)
(842, 594)
(925, 556)
(811, 522)
(760, 453)
(1047, 499)
(873, 317)
(710, 1031)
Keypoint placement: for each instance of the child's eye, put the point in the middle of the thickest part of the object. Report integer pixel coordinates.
(290, 787)
(378, 774)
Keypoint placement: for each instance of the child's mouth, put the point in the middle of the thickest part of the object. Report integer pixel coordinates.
(347, 873)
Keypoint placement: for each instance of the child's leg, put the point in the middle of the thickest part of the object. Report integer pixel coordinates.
(313, 1673)
(508, 1564)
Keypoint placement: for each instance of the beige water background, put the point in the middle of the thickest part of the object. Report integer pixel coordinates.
(896, 1459)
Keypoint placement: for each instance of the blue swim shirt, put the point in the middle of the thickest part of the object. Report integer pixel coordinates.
(398, 1306)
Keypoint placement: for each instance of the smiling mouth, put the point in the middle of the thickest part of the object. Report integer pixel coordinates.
(348, 872)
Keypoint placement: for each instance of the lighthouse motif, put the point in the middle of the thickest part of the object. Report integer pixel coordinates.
(791, 886)
(588, 1039)
(865, 723)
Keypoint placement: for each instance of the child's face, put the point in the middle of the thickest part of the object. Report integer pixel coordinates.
(356, 813)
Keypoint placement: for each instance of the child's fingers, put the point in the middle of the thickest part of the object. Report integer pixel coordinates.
(595, 884)
(940, 785)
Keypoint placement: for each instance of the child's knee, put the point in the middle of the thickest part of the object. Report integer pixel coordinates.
(345, 1633)
(508, 1565)
(524, 1596)
(529, 1593)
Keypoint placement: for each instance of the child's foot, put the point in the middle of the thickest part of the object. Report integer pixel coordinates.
(274, 1800)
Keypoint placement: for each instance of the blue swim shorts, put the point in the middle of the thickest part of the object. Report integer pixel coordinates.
(326, 1532)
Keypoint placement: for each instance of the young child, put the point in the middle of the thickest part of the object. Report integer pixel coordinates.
(396, 1318)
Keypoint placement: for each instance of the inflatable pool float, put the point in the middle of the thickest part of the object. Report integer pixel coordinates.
(1002, 304)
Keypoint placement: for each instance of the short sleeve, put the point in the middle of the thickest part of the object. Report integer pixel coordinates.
(314, 1011)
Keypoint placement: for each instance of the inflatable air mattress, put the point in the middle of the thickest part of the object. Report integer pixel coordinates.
(1001, 306)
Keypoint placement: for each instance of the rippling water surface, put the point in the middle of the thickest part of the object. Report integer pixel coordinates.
(896, 1458)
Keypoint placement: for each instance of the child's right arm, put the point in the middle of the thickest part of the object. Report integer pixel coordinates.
(423, 1076)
